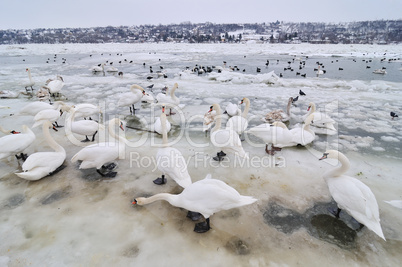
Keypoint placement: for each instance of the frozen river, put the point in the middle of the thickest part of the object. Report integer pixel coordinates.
(77, 218)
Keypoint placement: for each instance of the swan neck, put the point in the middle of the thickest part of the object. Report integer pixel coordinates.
(247, 108)
(164, 130)
(288, 107)
(51, 142)
(172, 95)
(29, 75)
(113, 133)
(218, 118)
(345, 165)
(161, 196)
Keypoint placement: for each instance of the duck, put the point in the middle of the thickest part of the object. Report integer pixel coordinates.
(31, 82)
(321, 120)
(98, 155)
(207, 196)
(55, 86)
(351, 195)
(158, 124)
(82, 127)
(41, 164)
(131, 98)
(169, 99)
(279, 114)
(170, 161)
(239, 123)
(232, 110)
(276, 134)
(12, 144)
(225, 139)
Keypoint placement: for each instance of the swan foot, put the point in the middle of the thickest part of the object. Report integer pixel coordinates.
(202, 227)
(221, 154)
(194, 216)
(269, 152)
(55, 124)
(108, 174)
(160, 181)
(86, 139)
(109, 167)
(22, 156)
(335, 213)
(93, 136)
(276, 148)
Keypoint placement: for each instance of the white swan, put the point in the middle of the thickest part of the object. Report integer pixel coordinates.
(206, 196)
(41, 164)
(239, 123)
(158, 124)
(97, 155)
(112, 69)
(99, 68)
(85, 110)
(9, 94)
(169, 99)
(352, 195)
(303, 135)
(34, 107)
(130, 99)
(43, 93)
(170, 161)
(227, 139)
(51, 115)
(321, 120)
(209, 120)
(55, 85)
(279, 114)
(16, 143)
(148, 98)
(82, 127)
(276, 134)
(232, 110)
(31, 82)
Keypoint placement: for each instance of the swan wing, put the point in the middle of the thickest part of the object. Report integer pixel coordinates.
(171, 162)
(94, 156)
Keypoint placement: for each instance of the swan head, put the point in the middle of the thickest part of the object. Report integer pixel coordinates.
(332, 154)
(136, 86)
(244, 100)
(311, 105)
(138, 201)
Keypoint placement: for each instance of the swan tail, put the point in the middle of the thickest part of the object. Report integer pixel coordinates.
(36, 124)
(33, 175)
(247, 200)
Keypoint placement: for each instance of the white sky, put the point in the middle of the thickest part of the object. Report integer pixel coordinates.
(30, 14)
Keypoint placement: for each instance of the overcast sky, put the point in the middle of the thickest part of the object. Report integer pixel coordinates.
(30, 14)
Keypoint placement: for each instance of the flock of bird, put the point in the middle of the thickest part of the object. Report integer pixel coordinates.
(204, 197)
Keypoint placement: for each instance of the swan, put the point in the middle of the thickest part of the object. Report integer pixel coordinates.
(13, 144)
(85, 110)
(82, 127)
(51, 115)
(31, 82)
(41, 164)
(170, 161)
(34, 107)
(169, 99)
(55, 85)
(99, 68)
(276, 134)
(239, 123)
(279, 115)
(112, 69)
(319, 71)
(209, 120)
(97, 155)
(5, 131)
(303, 135)
(206, 196)
(227, 139)
(130, 99)
(321, 120)
(158, 124)
(9, 94)
(43, 93)
(148, 98)
(232, 110)
(352, 195)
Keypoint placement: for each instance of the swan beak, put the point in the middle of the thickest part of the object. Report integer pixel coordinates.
(324, 156)
(211, 108)
(163, 109)
(308, 109)
(14, 132)
(134, 202)
(121, 126)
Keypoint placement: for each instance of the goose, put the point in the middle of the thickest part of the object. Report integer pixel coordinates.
(206, 196)
(227, 139)
(86, 110)
(130, 99)
(239, 123)
(41, 164)
(169, 99)
(97, 155)
(170, 161)
(279, 114)
(13, 144)
(232, 110)
(51, 115)
(352, 195)
(31, 82)
(33, 108)
(55, 85)
(158, 124)
(82, 127)
(276, 134)
(321, 120)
